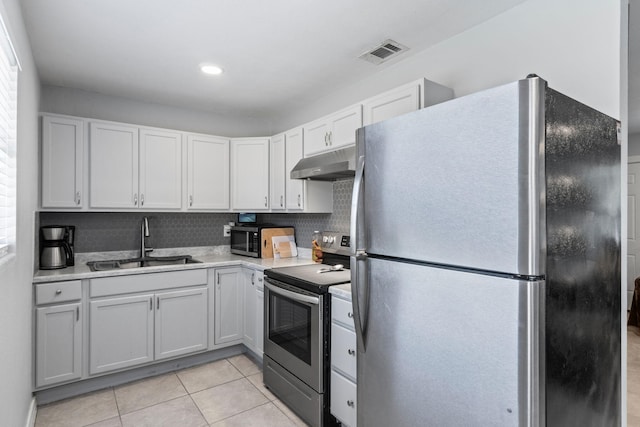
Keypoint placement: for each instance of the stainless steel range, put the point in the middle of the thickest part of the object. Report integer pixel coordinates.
(296, 335)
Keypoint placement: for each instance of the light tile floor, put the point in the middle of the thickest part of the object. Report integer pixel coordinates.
(225, 393)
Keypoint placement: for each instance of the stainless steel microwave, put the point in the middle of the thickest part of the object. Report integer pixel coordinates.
(253, 240)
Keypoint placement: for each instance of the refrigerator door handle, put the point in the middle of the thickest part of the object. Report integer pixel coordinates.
(360, 297)
(359, 285)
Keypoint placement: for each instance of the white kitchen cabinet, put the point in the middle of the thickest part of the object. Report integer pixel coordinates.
(343, 362)
(113, 166)
(181, 322)
(332, 132)
(58, 320)
(303, 195)
(404, 99)
(160, 185)
(120, 332)
(207, 172)
(62, 163)
(277, 172)
(165, 315)
(228, 302)
(250, 174)
(134, 168)
(254, 310)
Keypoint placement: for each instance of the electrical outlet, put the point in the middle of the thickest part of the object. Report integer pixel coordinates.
(226, 231)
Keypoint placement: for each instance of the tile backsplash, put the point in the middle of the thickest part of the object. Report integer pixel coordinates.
(118, 231)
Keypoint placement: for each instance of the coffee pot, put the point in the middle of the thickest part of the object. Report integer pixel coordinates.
(56, 246)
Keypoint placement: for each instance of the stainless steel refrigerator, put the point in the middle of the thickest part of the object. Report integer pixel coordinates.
(486, 263)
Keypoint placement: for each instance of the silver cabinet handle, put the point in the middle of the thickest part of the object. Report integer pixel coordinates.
(330, 137)
(77, 313)
(326, 139)
(141, 199)
(77, 198)
(281, 200)
(299, 200)
(351, 352)
(158, 303)
(58, 291)
(351, 403)
(190, 200)
(259, 279)
(265, 201)
(135, 199)
(253, 276)
(350, 315)
(150, 303)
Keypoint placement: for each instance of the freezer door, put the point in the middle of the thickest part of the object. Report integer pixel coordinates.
(449, 348)
(459, 183)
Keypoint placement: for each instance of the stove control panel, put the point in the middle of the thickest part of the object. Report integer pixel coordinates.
(335, 242)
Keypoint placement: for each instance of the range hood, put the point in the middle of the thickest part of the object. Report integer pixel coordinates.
(329, 166)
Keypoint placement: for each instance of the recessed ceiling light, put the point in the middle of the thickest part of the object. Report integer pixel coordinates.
(211, 69)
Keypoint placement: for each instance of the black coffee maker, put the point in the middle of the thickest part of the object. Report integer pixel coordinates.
(56, 246)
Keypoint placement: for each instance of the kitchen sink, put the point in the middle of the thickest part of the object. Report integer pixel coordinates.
(119, 264)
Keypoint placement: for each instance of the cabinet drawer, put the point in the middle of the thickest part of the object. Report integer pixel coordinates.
(342, 311)
(150, 282)
(51, 293)
(343, 350)
(343, 399)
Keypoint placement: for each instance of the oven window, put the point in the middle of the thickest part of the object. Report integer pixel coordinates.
(290, 326)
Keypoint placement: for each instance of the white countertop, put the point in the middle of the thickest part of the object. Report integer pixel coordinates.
(210, 257)
(341, 291)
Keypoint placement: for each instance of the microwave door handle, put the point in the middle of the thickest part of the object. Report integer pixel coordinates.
(293, 295)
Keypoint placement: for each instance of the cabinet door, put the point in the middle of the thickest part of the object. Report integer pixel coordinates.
(62, 160)
(295, 187)
(160, 169)
(391, 104)
(277, 168)
(343, 127)
(259, 313)
(343, 399)
(207, 172)
(120, 333)
(58, 344)
(250, 174)
(229, 293)
(113, 166)
(316, 137)
(180, 322)
(250, 309)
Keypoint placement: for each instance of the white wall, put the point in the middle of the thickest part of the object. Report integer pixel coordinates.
(573, 44)
(16, 357)
(82, 103)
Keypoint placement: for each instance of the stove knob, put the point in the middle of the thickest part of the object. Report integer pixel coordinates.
(325, 239)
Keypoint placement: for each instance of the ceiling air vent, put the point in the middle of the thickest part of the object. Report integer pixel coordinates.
(385, 51)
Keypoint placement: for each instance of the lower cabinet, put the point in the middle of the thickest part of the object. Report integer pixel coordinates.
(58, 330)
(229, 295)
(254, 311)
(343, 362)
(58, 343)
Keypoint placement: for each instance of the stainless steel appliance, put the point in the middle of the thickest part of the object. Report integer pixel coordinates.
(250, 240)
(486, 265)
(296, 337)
(56, 246)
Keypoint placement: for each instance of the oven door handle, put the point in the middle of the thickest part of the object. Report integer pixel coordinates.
(293, 295)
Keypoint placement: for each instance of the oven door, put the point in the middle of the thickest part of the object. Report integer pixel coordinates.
(293, 331)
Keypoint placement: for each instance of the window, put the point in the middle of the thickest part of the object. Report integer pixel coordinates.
(8, 97)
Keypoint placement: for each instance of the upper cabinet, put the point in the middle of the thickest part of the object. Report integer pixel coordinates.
(332, 132)
(207, 172)
(250, 174)
(304, 195)
(113, 166)
(62, 163)
(160, 183)
(134, 168)
(277, 169)
(404, 99)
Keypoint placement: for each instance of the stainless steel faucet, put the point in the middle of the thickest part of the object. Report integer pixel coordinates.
(144, 232)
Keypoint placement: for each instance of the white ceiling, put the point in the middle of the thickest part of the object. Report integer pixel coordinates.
(277, 54)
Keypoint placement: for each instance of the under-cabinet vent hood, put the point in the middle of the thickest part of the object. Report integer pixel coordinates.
(329, 166)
